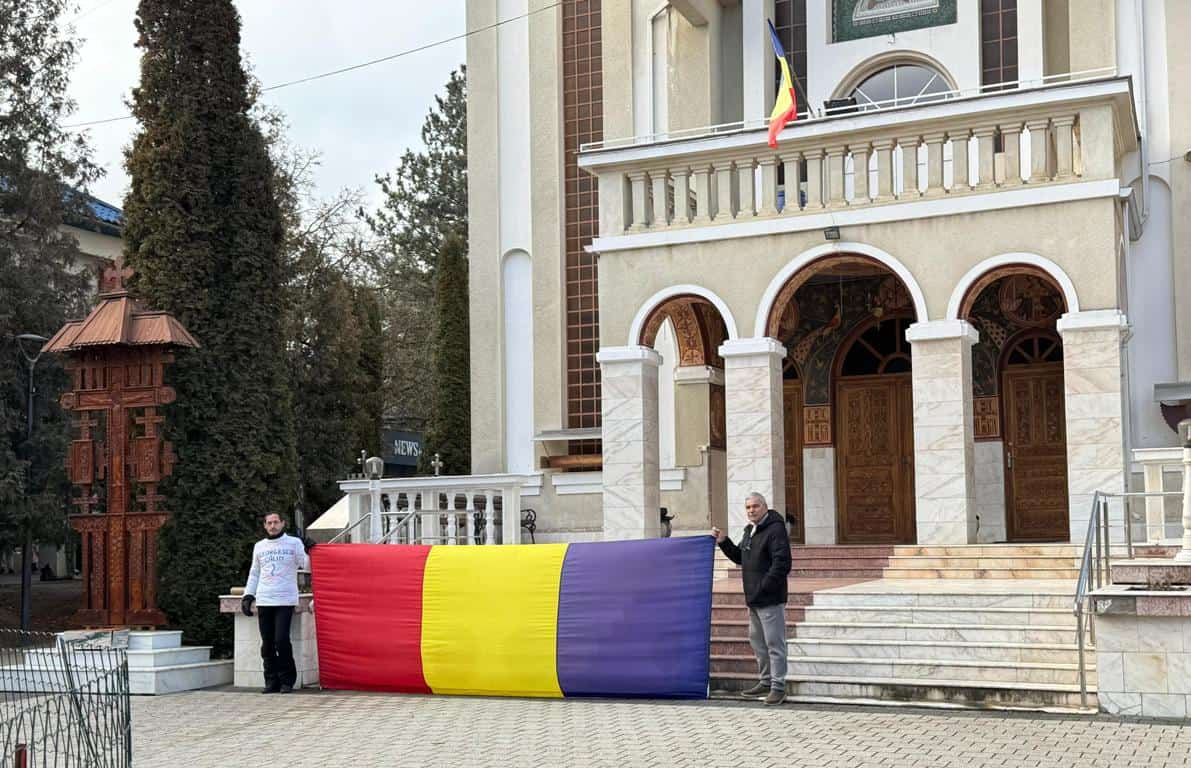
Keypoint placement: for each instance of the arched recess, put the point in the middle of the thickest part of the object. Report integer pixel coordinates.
(689, 328)
(822, 304)
(787, 281)
(1018, 399)
(516, 276)
(651, 304)
(966, 288)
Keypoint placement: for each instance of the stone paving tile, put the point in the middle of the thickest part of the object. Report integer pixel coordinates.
(225, 728)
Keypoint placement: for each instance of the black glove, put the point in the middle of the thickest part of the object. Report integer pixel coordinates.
(246, 604)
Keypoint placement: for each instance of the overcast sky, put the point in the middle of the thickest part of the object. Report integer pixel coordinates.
(361, 121)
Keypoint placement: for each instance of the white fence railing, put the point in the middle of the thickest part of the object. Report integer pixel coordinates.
(464, 509)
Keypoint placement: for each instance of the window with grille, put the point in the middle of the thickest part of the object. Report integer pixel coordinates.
(998, 42)
(583, 114)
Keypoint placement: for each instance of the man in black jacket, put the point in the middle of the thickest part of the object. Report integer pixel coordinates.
(764, 559)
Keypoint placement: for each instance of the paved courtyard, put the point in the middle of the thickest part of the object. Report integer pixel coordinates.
(209, 729)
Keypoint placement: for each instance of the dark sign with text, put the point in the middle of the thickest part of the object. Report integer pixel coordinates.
(854, 19)
(401, 448)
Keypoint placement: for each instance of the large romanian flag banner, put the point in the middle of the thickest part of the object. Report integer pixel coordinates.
(623, 618)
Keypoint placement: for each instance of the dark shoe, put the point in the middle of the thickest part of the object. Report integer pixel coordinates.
(775, 697)
(756, 692)
(287, 689)
(269, 689)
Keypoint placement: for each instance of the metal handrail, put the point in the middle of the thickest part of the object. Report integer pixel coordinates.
(350, 528)
(1094, 565)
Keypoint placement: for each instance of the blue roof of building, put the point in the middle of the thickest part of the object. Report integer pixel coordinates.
(105, 212)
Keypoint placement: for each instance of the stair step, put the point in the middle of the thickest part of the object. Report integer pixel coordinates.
(1007, 633)
(990, 550)
(837, 573)
(911, 669)
(980, 562)
(839, 563)
(728, 629)
(904, 572)
(1062, 600)
(932, 651)
(935, 615)
(841, 550)
(168, 657)
(182, 677)
(741, 613)
(157, 639)
(950, 693)
(735, 597)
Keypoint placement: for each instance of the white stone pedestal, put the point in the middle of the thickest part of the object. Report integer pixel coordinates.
(249, 667)
(632, 475)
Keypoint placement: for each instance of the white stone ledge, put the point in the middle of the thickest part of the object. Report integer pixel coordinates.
(698, 374)
(1093, 320)
(941, 330)
(752, 347)
(580, 483)
(643, 355)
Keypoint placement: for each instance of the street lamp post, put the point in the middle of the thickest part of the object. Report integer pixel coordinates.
(27, 546)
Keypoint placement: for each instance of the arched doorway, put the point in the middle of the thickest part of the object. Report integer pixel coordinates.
(874, 417)
(828, 313)
(1018, 400)
(691, 329)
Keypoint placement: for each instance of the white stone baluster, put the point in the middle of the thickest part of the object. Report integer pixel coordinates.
(746, 188)
(909, 148)
(934, 162)
(792, 187)
(1039, 143)
(768, 165)
(724, 208)
(640, 191)
(489, 517)
(835, 176)
(1185, 434)
(959, 160)
(860, 195)
(659, 180)
(1011, 146)
(704, 188)
(883, 150)
(682, 196)
(984, 136)
(451, 522)
(814, 182)
(431, 528)
(470, 516)
(1063, 129)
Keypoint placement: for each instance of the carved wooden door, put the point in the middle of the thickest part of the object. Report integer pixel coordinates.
(1035, 453)
(875, 460)
(792, 425)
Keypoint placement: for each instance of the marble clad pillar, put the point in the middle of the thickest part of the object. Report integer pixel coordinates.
(944, 444)
(631, 476)
(1093, 398)
(754, 434)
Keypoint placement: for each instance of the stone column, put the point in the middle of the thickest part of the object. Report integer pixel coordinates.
(631, 477)
(944, 444)
(835, 176)
(755, 439)
(1093, 395)
(883, 148)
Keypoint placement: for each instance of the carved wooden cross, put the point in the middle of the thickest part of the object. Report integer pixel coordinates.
(436, 464)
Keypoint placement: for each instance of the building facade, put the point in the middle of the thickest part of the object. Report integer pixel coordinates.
(936, 313)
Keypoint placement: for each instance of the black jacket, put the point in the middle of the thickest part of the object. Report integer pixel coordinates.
(764, 558)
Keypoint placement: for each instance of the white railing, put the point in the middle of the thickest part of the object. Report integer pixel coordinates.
(991, 142)
(464, 509)
(1159, 467)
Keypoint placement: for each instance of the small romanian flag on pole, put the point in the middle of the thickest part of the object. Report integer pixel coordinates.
(785, 108)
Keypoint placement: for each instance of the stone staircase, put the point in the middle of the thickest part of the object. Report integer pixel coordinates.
(980, 626)
(158, 663)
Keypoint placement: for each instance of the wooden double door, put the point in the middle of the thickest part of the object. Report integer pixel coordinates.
(874, 417)
(1035, 434)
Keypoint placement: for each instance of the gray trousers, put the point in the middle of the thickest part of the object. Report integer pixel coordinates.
(767, 636)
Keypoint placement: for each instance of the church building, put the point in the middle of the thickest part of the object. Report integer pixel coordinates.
(951, 303)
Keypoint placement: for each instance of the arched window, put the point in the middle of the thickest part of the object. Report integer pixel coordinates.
(880, 348)
(899, 85)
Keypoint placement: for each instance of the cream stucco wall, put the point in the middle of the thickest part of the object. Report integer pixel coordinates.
(1079, 236)
(1178, 52)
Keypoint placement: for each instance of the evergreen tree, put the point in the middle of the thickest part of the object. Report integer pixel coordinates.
(43, 169)
(203, 233)
(425, 200)
(450, 426)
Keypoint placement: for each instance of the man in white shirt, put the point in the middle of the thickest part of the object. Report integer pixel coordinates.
(273, 588)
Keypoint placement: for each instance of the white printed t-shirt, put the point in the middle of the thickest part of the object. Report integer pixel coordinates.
(274, 575)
